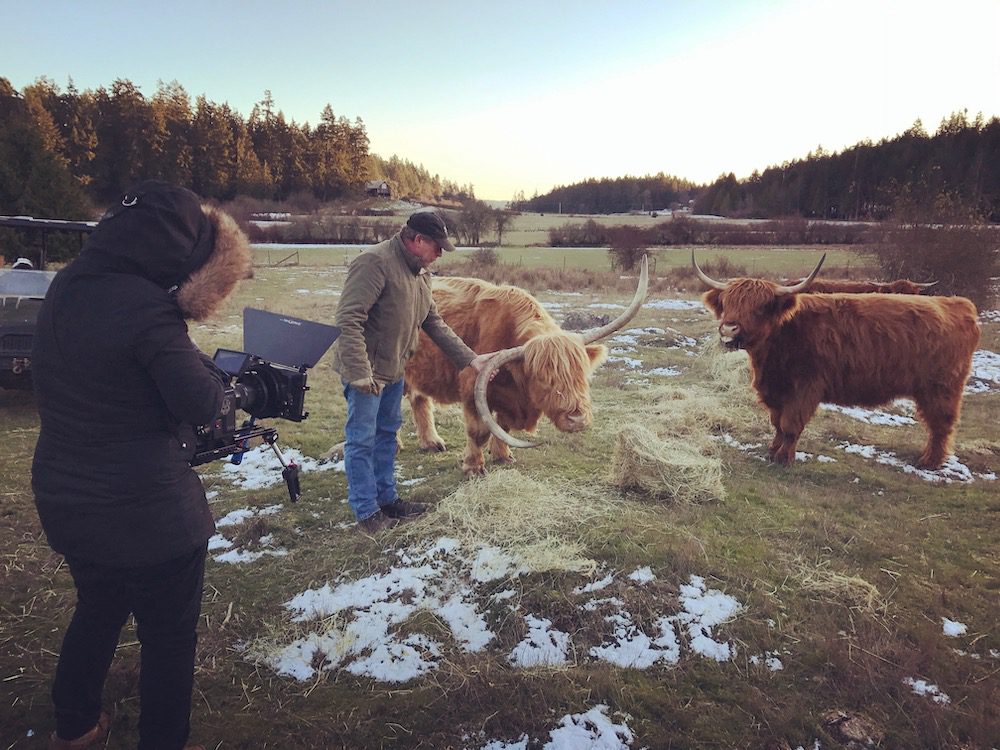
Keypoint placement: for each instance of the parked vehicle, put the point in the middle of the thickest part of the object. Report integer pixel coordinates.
(22, 290)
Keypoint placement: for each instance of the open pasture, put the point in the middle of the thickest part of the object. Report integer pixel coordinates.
(764, 261)
(652, 582)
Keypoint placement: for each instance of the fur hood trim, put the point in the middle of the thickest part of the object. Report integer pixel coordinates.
(201, 294)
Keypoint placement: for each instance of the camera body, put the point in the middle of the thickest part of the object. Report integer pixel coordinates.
(260, 388)
(262, 383)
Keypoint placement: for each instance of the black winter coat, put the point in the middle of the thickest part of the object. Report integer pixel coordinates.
(119, 383)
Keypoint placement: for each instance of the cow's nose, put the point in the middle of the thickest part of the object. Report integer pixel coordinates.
(728, 331)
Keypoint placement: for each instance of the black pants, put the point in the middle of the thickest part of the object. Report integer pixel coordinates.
(166, 602)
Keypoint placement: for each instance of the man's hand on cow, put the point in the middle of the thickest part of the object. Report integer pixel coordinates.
(480, 361)
(367, 385)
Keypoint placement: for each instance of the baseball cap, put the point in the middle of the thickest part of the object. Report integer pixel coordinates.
(23, 263)
(430, 224)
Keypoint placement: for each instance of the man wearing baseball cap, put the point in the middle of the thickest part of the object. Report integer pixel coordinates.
(385, 304)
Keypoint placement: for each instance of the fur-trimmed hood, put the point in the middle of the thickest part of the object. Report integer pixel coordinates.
(165, 234)
(200, 295)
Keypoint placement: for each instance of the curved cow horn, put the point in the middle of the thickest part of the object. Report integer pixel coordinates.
(705, 278)
(589, 337)
(804, 283)
(482, 380)
(924, 284)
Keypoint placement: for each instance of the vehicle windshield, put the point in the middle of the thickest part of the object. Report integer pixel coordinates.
(24, 283)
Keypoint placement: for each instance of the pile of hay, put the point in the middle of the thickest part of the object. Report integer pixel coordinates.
(671, 468)
(539, 523)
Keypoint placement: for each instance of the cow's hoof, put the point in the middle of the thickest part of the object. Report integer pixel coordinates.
(508, 459)
(931, 463)
(474, 471)
(436, 446)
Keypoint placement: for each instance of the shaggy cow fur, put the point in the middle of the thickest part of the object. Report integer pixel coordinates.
(831, 286)
(552, 379)
(853, 350)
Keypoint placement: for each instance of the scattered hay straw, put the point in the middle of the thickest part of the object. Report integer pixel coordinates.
(819, 578)
(535, 521)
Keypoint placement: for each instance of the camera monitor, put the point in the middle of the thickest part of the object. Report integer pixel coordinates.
(231, 362)
(289, 341)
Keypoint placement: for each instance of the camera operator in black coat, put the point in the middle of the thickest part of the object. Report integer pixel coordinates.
(119, 386)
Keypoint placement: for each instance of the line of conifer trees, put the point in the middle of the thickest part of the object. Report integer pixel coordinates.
(959, 164)
(62, 150)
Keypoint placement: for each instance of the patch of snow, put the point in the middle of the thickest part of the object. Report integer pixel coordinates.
(869, 416)
(595, 585)
(952, 471)
(675, 304)
(642, 575)
(627, 361)
(245, 514)
(260, 468)
(954, 629)
(922, 687)
(985, 374)
(238, 556)
(590, 731)
(542, 646)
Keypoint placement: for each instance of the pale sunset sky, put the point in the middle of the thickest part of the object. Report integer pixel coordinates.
(523, 96)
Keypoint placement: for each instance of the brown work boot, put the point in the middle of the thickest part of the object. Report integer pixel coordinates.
(92, 739)
(376, 524)
(403, 510)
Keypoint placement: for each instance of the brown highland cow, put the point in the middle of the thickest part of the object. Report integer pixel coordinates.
(847, 349)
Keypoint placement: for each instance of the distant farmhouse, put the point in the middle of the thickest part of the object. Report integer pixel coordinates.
(378, 188)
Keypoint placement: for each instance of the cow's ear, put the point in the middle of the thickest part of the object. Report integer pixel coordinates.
(713, 301)
(597, 354)
(785, 304)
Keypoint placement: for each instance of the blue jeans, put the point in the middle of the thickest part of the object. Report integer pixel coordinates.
(370, 448)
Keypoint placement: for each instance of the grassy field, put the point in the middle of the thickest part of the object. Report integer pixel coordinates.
(756, 260)
(652, 582)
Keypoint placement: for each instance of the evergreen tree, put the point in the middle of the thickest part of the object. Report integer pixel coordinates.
(34, 180)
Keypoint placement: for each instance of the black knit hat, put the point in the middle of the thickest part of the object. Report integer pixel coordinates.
(430, 224)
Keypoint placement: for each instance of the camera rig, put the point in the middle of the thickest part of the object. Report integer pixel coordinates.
(264, 383)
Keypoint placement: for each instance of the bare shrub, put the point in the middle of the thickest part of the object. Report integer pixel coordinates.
(485, 256)
(944, 240)
(627, 247)
(963, 259)
(588, 234)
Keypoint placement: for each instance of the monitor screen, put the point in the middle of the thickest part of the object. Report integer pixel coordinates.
(230, 361)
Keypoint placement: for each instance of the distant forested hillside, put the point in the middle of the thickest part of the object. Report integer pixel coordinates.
(613, 195)
(959, 164)
(60, 150)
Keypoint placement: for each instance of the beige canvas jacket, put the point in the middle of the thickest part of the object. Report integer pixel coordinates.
(386, 301)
